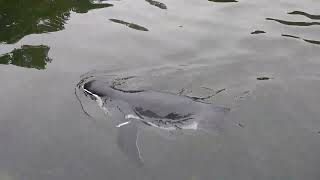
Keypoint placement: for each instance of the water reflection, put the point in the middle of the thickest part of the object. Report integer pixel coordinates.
(172, 118)
(306, 40)
(223, 0)
(312, 41)
(28, 56)
(130, 25)
(23, 17)
(291, 36)
(292, 23)
(156, 109)
(157, 4)
(314, 17)
(258, 32)
(263, 78)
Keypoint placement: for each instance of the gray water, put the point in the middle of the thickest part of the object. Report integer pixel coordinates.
(190, 44)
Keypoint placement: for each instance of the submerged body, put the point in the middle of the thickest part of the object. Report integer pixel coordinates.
(159, 109)
(152, 108)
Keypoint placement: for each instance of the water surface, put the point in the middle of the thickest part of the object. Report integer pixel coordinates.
(272, 84)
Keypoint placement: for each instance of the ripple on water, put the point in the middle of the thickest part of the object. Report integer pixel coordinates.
(157, 4)
(130, 25)
(301, 24)
(223, 1)
(293, 23)
(310, 16)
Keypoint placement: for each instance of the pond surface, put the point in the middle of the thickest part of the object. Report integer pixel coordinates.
(264, 54)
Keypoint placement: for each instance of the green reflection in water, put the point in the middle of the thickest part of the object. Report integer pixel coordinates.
(19, 18)
(28, 56)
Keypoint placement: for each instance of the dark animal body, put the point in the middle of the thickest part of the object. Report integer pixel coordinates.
(153, 108)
